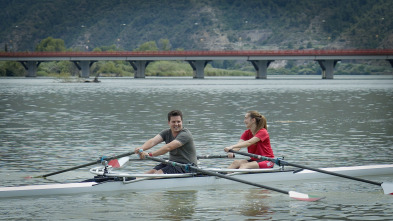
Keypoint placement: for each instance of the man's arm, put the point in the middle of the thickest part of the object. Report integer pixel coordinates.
(167, 147)
(150, 143)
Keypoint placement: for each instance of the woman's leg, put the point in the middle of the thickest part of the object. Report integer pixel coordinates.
(237, 163)
(249, 165)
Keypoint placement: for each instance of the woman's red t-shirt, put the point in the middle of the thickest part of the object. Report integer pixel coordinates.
(262, 147)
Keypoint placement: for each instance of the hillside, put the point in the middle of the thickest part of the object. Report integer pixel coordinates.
(198, 24)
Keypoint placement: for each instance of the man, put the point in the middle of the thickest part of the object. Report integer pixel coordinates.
(179, 144)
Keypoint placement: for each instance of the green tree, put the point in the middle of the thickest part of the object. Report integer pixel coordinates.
(51, 44)
(106, 48)
(148, 46)
(11, 68)
(165, 45)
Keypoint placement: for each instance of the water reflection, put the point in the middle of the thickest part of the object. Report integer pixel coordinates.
(177, 205)
(257, 204)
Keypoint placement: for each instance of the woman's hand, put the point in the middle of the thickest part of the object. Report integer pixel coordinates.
(226, 149)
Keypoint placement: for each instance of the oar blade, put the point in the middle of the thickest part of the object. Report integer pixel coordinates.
(387, 188)
(118, 163)
(304, 196)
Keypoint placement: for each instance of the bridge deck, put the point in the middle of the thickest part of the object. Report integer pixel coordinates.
(260, 59)
(202, 55)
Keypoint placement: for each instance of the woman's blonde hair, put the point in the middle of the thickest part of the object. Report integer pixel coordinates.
(260, 120)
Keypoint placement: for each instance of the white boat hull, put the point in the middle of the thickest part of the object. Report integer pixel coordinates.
(182, 183)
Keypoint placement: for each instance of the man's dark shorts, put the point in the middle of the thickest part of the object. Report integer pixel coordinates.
(169, 169)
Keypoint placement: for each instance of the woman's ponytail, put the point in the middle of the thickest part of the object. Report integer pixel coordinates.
(260, 120)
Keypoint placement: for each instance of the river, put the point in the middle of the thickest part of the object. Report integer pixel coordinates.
(47, 125)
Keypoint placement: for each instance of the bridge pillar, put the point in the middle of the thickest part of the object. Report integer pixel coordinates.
(327, 68)
(391, 62)
(261, 68)
(84, 67)
(140, 68)
(199, 68)
(31, 67)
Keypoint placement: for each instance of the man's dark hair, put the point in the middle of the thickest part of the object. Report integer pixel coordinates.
(175, 113)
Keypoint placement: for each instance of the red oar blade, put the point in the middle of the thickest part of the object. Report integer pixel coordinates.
(303, 196)
(118, 163)
(114, 163)
(387, 188)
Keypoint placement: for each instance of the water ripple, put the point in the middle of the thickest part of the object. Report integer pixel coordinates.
(46, 125)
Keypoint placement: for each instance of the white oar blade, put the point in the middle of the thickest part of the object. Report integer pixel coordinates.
(387, 188)
(303, 196)
(118, 163)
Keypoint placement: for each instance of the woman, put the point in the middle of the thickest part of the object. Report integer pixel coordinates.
(257, 141)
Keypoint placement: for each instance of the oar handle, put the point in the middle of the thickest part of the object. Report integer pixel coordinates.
(276, 161)
(87, 164)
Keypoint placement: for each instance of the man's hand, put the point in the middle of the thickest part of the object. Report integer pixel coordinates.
(137, 150)
(142, 155)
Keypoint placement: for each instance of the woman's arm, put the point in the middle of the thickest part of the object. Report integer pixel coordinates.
(242, 143)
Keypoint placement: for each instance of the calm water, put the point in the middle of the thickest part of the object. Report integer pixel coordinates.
(46, 125)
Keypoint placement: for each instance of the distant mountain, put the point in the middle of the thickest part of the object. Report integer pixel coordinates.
(198, 24)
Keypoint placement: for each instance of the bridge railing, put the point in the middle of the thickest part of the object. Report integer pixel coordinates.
(203, 53)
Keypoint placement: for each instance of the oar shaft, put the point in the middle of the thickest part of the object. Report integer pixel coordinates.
(198, 157)
(87, 164)
(331, 173)
(282, 162)
(212, 156)
(69, 169)
(185, 166)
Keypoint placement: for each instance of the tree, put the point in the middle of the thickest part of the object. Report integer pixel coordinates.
(106, 48)
(148, 46)
(165, 45)
(11, 69)
(51, 44)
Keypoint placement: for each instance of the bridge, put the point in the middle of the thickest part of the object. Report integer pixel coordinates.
(260, 59)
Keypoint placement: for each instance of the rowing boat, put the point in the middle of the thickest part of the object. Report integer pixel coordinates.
(121, 181)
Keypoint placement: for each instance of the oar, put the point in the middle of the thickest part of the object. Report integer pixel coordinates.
(292, 194)
(118, 163)
(114, 162)
(387, 187)
(213, 156)
(85, 165)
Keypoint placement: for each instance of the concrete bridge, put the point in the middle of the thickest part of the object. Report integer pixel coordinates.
(327, 59)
